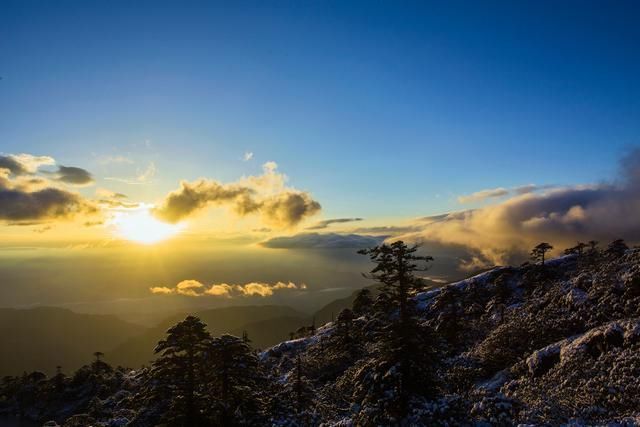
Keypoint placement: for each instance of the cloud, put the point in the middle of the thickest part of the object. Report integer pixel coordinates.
(483, 195)
(327, 222)
(248, 155)
(505, 232)
(23, 164)
(189, 288)
(26, 197)
(163, 290)
(105, 160)
(221, 290)
(387, 230)
(46, 204)
(108, 194)
(323, 241)
(73, 175)
(194, 288)
(495, 193)
(143, 176)
(266, 195)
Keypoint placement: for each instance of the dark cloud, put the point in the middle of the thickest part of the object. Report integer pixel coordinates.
(73, 175)
(323, 241)
(12, 165)
(327, 222)
(23, 164)
(26, 198)
(45, 204)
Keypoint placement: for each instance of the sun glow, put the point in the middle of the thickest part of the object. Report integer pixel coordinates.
(140, 226)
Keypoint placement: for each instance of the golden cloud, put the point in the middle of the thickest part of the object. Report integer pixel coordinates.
(266, 194)
(194, 288)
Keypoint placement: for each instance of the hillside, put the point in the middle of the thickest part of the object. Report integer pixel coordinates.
(548, 344)
(45, 337)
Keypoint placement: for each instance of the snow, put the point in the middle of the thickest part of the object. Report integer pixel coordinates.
(576, 297)
(497, 381)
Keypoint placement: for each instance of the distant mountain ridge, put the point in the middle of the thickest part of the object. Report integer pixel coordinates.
(265, 325)
(45, 337)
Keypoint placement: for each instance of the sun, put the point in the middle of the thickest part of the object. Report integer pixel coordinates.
(138, 225)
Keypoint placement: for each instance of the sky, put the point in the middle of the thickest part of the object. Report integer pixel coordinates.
(473, 128)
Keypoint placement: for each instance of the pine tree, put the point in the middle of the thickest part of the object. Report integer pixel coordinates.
(179, 371)
(538, 253)
(578, 249)
(449, 322)
(344, 325)
(406, 344)
(502, 292)
(236, 379)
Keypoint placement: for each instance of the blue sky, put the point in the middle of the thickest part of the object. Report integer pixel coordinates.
(377, 108)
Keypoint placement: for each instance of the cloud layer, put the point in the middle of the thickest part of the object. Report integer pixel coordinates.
(323, 241)
(506, 231)
(328, 222)
(494, 193)
(266, 195)
(193, 288)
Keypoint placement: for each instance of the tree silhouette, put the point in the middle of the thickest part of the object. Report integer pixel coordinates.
(502, 292)
(235, 378)
(179, 370)
(363, 302)
(616, 249)
(98, 364)
(406, 343)
(538, 253)
(344, 325)
(578, 249)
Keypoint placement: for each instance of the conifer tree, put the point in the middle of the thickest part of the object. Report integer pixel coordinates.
(578, 249)
(406, 344)
(538, 253)
(179, 371)
(236, 380)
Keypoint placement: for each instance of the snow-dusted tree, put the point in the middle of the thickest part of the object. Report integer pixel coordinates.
(407, 345)
(179, 373)
(449, 308)
(502, 292)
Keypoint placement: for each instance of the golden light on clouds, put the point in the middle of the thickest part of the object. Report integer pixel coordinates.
(138, 225)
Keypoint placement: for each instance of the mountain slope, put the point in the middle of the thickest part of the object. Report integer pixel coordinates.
(45, 337)
(561, 345)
